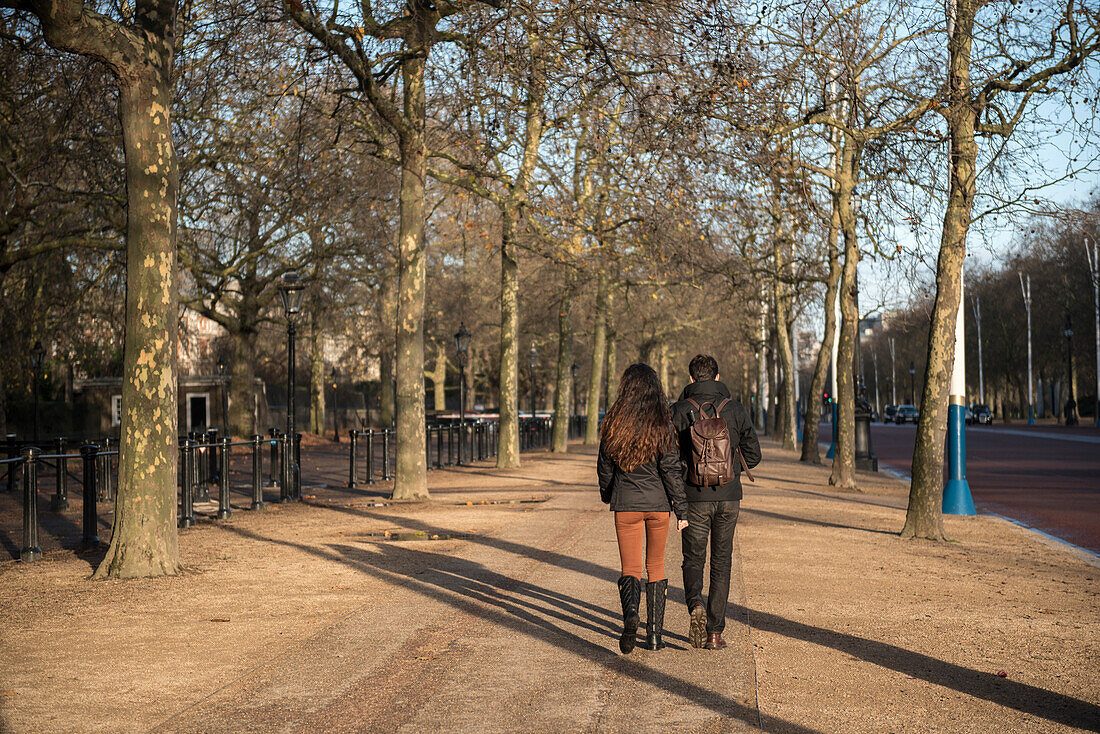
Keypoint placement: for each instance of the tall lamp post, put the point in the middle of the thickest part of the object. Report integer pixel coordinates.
(1025, 288)
(1071, 404)
(225, 393)
(893, 376)
(532, 363)
(291, 290)
(1093, 255)
(912, 382)
(38, 357)
(335, 406)
(462, 348)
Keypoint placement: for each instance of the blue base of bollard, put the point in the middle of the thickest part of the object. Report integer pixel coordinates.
(956, 493)
(831, 453)
(1030, 416)
(957, 499)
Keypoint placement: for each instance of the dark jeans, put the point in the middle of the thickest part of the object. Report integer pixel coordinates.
(716, 521)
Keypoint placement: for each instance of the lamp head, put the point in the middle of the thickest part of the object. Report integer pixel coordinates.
(462, 339)
(291, 291)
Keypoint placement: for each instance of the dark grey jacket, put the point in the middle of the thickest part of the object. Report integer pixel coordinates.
(742, 435)
(654, 487)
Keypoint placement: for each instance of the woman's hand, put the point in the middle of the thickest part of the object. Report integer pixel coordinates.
(680, 525)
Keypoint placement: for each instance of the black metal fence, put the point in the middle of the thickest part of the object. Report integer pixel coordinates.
(205, 464)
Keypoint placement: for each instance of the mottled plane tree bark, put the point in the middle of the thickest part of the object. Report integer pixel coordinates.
(138, 47)
(971, 110)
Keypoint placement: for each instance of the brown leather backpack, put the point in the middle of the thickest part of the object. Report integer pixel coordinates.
(711, 461)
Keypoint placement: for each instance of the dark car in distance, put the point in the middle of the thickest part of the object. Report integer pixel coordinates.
(888, 413)
(906, 414)
(982, 414)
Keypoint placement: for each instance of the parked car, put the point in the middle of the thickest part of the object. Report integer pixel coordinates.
(982, 414)
(968, 415)
(906, 414)
(888, 413)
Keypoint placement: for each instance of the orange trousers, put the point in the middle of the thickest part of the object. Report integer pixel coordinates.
(638, 533)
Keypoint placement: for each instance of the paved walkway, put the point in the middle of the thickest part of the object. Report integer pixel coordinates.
(493, 608)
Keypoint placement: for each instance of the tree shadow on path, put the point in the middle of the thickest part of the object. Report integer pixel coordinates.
(1029, 699)
(518, 606)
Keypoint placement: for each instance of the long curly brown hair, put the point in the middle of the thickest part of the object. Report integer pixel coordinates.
(637, 428)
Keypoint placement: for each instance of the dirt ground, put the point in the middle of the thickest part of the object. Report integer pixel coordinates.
(493, 607)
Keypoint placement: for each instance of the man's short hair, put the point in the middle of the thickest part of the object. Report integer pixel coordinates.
(703, 367)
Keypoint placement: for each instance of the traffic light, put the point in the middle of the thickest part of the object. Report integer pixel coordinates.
(825, 398)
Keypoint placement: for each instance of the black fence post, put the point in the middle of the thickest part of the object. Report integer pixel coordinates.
(284, 468)
(353, 467)
(298, 466)
(257, 471)
(187, 499)
(215, 462)
(428, 448)
(274, 472)
(370, 456)
(224, 511)
(439, 447)
(30, 551)
(106, 489)
(385, 453)
(450, 444)
(61, 491)
(91, 518)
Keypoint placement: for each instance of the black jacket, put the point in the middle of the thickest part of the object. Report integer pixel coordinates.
(652, 487)
(742, 435)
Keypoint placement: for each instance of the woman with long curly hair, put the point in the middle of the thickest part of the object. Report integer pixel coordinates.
(642, 479)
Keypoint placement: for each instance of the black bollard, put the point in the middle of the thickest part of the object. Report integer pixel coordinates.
(61, 491)
(274, 433)
(31, 551)
(214, 472)
(353, 444)
(224, 510)
(450, 444)
(91, 518)
(370, 456)
(385, 453)
(187, 499)
(257, 471)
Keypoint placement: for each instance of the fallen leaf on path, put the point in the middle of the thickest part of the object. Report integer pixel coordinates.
(220, 619)
(1002, 674)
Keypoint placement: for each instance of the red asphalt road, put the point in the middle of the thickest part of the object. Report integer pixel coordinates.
(1046, 477)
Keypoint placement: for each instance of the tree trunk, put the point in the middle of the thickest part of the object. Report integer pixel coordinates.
(438, 376)
(786, 365)
(508, 448)
(564, 377)
(762, 370)
(810, 431)
(924, 516)
(144, 539)
(844, 458)
(411, 478)
(242, 396)
(386, 386)
(611, 370)
(595, 374)
(317, 379)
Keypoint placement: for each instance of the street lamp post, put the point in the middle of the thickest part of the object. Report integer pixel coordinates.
(893, 376)
(291, 291)
(1071, 404)
(912, 382)
(225, 393)
(981, 375)
(1025, 288)
(532, 363)
(335, 405)
(38, 357)
(462, 348)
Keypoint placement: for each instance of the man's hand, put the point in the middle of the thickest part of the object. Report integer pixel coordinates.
(680, 525)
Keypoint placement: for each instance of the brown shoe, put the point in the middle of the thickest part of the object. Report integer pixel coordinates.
(715, 641)
(697, 633)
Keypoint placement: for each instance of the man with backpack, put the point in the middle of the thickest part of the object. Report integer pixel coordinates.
(717, 441)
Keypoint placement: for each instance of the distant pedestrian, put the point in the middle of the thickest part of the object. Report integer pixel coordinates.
(716, 440)
(641, 478)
